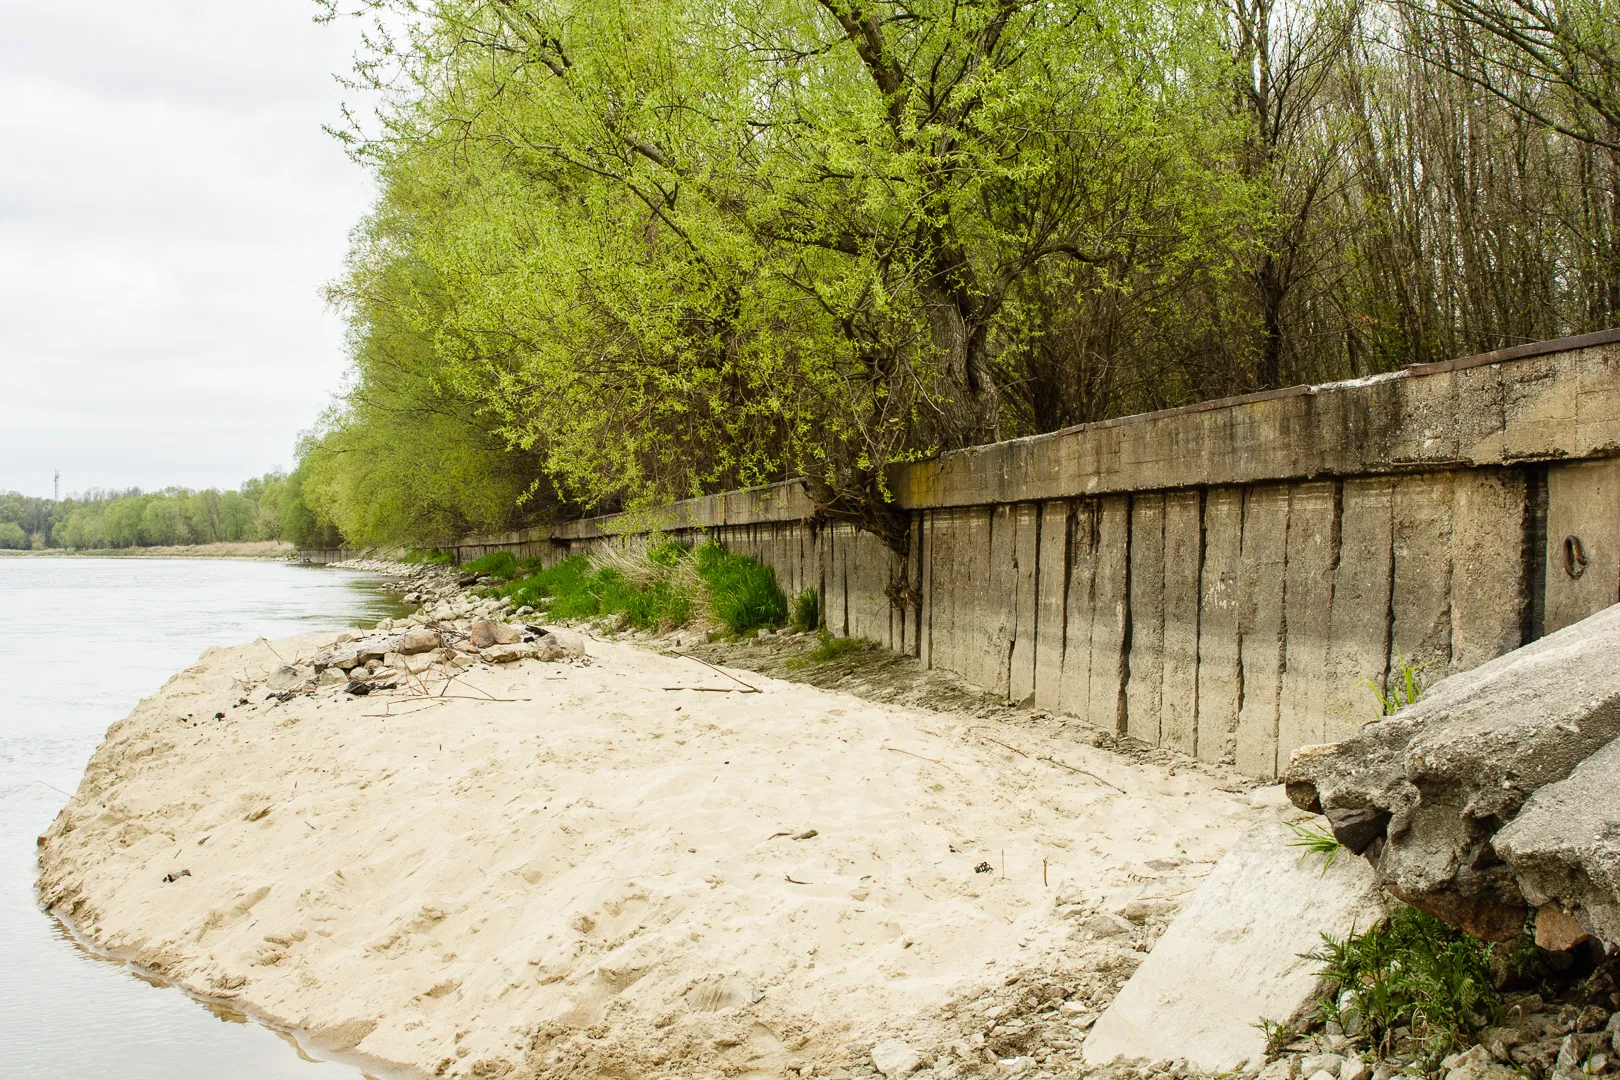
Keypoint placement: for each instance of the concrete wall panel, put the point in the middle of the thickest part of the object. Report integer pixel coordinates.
(1145, 688)
(1220, 676)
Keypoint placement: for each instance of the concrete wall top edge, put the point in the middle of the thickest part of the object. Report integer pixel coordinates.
(1541, 401)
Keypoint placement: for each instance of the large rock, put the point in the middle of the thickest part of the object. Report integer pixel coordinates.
(544, 649)
(487, 632)
(419, 641)
(1233, 956)
(1564, 847)
(1423, 792)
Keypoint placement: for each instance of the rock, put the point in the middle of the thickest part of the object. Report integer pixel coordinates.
(286, 677)
(1564, 848)
(1498, 743)
(1354, 1068)
(1488, 1070)
(1311, 1064)
(1015, 1066)
(895, 1057)
(487, 632)
(1352, 1019)
(420, 641)
(331, 677)
(1107, 926)
(1537, 1057)
(544, 649)
(1320, 1074)
(1233, 956)
(1281, 1069)
(572, 644)
(1474, 1055)
(1140, 911)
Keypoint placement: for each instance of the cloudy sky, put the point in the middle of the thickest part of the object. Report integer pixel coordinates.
(169, 210)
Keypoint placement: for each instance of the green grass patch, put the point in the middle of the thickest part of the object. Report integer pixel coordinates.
(1314, 839)
(743, 593)
(807, 611)
(497, 564)
(830, 649)
(660, 586)
(1413, 972)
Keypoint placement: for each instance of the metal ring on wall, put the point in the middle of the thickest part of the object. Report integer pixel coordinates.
(1574, 557)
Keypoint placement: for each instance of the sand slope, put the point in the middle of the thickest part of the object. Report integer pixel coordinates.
(588, 881)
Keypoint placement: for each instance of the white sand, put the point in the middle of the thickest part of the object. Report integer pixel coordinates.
(586, 882)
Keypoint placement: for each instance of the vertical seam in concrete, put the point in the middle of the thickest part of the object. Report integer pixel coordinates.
(1164, 609)
(1122, 711)
(1198, 618)
(1451, 571)
(1068, 582)
(1035, 603)
(917, 588)
(1240, 630)
(1389, 605)
(1533, 595)
(928, 517)
(1282, 635)
(1017, 589)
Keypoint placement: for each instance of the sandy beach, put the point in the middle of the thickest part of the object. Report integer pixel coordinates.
(623, 865)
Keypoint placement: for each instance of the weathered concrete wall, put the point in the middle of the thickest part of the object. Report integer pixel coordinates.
(1225, 578)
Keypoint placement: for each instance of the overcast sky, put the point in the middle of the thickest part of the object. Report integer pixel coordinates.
(169, 211)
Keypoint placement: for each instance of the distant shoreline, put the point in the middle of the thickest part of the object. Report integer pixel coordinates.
(225, 549)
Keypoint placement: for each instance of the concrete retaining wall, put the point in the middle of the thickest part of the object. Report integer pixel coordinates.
(1224, 578)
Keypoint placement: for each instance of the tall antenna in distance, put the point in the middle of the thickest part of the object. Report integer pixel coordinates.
(58, 485)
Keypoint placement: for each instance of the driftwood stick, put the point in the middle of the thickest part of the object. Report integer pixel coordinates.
(751, 688)
(1082, 772)
(919, 757)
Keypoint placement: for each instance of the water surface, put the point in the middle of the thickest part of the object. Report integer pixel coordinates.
(81, 641)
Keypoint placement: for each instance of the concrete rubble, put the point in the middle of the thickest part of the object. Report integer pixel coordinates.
(1494, 793)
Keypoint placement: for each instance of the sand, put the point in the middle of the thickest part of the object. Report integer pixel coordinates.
(607, 877)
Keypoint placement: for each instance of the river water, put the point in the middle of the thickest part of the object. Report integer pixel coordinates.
(81, 641)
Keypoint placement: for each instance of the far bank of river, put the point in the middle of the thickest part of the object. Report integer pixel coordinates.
(225, 549)
(81, 640)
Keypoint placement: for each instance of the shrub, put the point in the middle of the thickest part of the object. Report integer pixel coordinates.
(430, 556)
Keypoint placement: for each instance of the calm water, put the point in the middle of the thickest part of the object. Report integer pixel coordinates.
(81, 640)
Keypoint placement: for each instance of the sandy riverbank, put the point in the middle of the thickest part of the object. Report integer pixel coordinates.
(599, 876)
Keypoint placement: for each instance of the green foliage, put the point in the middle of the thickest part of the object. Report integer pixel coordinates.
(12, 536)
(1414, 972)
(1278, 1036)
(1408, 687)
(430, 556)
(830, 649)
(1316, 840)
(497, 564)
(574, 589)
(743, 593)
(807, 611)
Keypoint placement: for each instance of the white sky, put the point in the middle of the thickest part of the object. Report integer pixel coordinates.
(169, 211)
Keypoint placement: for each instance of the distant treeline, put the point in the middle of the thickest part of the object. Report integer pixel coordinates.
(268, 507)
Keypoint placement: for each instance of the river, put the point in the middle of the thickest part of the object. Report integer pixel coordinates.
(81, 641)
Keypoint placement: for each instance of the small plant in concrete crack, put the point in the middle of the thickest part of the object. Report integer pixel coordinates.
(1405, 688)
(1314, 839)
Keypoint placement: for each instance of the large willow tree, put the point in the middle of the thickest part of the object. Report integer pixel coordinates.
(668, 247)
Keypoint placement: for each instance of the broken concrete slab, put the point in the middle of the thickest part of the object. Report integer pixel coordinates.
(1232, 958)
(1422, 792)
(1564, 848)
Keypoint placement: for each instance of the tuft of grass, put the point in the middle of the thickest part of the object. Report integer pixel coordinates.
(1413, 972)
(1278, 1036)
(807, 611)
(1317, 840)
(497, 564)
(1408, 686)
(429, 556)
(830, 649)
(743, 593)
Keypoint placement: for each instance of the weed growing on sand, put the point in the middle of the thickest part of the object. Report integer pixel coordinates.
(1413, 972)
(1315, 839)
(655, 586)
(497, 564)
(1278, 1036)
(830, 649)
(807, 611)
